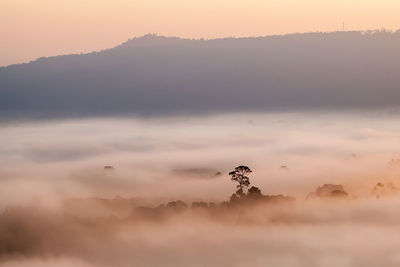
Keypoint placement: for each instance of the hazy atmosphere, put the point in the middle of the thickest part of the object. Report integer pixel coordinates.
(155, 75)
(62, 206)
(31, 29)
(199, 133)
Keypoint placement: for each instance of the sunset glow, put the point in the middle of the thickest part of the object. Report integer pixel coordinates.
(53, 27)
(192, 133)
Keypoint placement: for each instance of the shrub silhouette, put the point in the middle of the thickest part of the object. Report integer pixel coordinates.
(254, 193)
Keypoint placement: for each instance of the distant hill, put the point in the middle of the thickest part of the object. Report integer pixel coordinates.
(155, 75)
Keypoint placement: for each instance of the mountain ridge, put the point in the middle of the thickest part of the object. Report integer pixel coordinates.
(152, 37)
(157, 75)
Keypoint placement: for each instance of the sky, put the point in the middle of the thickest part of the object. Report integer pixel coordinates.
(33, 28)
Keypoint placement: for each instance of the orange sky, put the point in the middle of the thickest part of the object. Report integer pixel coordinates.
(34, 28)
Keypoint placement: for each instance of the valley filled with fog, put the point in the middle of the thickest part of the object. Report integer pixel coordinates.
(101, 191)
(67, 157)
(163, 151)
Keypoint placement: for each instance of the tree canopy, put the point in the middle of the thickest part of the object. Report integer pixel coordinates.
(239, 175)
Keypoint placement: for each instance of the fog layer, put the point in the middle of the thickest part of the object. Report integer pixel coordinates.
(60, 206)
(340, 234)
(67, 158)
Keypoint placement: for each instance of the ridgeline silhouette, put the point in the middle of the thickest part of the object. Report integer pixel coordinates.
(155, 75)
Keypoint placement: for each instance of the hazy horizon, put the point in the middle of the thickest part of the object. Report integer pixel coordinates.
(156, 76)
(175, 133)
(200, 38)
(64, 27)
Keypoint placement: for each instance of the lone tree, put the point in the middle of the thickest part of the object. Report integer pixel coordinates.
(240, 175)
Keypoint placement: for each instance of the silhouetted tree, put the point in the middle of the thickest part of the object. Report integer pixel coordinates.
(177, 205)
(240, 175)
(254, 193)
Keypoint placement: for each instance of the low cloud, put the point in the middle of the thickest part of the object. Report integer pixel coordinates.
(316, 233)
(71, 211)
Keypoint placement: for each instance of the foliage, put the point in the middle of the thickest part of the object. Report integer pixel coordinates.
(239, 175)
